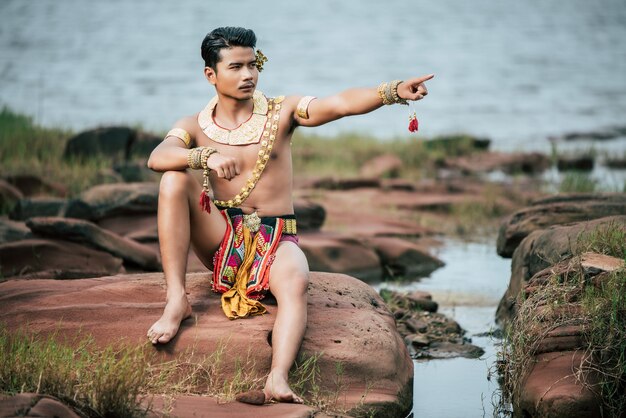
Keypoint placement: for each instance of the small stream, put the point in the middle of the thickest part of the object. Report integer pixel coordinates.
(468, 289)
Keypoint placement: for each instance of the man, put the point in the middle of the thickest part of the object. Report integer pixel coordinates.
(243, 142)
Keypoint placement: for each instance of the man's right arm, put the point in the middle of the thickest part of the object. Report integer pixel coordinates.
(171, 153)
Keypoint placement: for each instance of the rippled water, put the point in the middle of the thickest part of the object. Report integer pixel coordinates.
(515, 71)
(468, 289)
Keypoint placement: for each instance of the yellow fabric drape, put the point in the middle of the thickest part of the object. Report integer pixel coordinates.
(235, 303)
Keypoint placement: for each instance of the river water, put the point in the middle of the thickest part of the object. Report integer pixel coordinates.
(468, 289)
(514, 71)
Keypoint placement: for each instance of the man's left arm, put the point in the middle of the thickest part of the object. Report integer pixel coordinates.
(356, 101)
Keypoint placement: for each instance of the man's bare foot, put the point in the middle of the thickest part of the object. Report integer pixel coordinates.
(277, 389)
(176, 310)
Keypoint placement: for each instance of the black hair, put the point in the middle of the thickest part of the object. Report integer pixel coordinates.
(225, 37)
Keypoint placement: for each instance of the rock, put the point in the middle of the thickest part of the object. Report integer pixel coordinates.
(580, 163)
(377, 370)
(416, 325)
(32, 186)
(616, 162)
(42, 206)
(344, 183)
(43, 258)
(144, 144)
(417, 340)
(85, 232)
(202, 406)
(115, 142)
(34, 405)
(540, 250)
(594, 135)
(340, 254)
(383, 166)
(252, 397)
(398, 184)
(310, 215)
(128, 225)
(457, 144)
(445, 349)
(12, 231)
(9, 196)
(403, 258)
(136, 171)
(108, 200)
(561, 209)
(552, 388)
(510, 163)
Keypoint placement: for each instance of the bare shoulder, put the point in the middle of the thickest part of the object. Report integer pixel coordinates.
(188, 123)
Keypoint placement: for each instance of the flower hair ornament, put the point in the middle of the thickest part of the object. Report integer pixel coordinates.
(260, 60)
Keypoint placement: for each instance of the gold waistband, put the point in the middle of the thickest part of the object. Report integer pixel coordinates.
(253, 222)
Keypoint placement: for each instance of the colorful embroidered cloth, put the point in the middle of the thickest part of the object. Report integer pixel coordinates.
(241, 264)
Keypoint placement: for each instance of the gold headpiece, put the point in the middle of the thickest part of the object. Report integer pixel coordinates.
(260, 60)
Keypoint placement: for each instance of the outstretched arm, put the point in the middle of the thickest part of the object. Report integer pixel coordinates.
(357, 101)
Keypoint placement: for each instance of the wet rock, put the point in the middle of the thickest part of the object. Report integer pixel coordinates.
(115, 142)
(383, 166)
(43, 258)
(377, 370)
(401, 258)
(34, 405)
(12, 231)
(108, 200)
(445, 349)
(41, 206)
(31, 186)
(561, 209)
(581, 163)
(540, 250)
(340, 254)
(85, 232)
(310, 215)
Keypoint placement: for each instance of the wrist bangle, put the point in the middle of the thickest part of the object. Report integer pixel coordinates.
(388, 93)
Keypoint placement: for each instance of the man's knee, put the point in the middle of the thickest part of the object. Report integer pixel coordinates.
(174, 183)
(300, 282)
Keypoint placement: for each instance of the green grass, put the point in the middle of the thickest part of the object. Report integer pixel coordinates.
(575, 182)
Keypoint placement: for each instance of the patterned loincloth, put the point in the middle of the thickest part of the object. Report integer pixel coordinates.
(241, 264)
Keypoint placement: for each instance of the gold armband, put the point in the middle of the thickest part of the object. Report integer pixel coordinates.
(303, 106)
(181, 134)
(388, 93)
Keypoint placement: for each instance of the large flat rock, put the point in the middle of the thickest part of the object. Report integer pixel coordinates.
(348, 322)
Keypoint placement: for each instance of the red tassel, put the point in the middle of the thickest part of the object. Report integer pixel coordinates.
(205, 202)
(413, 124)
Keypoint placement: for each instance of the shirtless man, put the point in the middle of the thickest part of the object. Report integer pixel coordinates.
(232, 66)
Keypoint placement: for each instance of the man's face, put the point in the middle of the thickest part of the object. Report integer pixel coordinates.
(236, 74)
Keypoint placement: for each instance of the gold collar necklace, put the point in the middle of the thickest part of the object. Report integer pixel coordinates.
(248, 132)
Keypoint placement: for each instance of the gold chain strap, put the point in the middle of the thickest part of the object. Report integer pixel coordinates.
(267, 142)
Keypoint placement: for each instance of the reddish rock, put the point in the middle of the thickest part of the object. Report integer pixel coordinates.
(340, 254)
(44, 258)
(540, 250)
(131, 224)
(347, 322)
(31, 186)
(552, 388)
(383, 166)
(484, 162)
(85, 232)
(115, 199)
(34, 405)
(403, 258)
(557, 210)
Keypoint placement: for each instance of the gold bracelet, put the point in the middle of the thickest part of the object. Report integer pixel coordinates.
(381, 93)
(194, 158)
(204, 156)
(181, 134)
(303, 106)
(394, 92)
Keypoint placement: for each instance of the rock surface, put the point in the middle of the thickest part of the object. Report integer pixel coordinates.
(85, 232)
(557, 210)
(383, 166)
(401, 258)
(540, 250)
(12, 230)
(34, 405)
(348, 322)
(51, 259)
